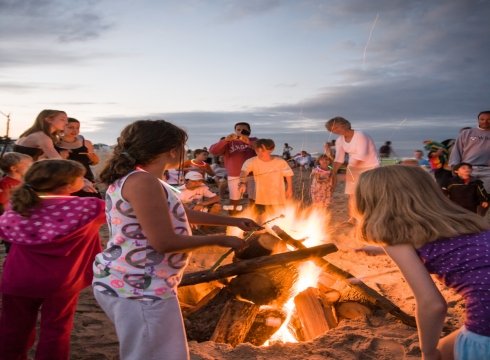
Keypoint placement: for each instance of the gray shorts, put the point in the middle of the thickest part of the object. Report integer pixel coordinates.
(150, 330)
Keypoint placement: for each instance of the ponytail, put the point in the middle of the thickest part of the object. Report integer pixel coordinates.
(139, 144)
(24, 198)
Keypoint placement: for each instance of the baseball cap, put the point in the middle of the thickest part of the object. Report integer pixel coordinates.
(194, 175)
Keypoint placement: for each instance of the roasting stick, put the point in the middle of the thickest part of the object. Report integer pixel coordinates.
(359, 279)
(226, 254)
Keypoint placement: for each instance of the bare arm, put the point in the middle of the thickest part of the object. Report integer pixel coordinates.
(46, 145)
(94, 158)
(199, 217)
(289, 187)
(431, 306)
(145, 194)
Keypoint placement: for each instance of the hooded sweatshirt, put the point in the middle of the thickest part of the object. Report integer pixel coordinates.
(52, 249)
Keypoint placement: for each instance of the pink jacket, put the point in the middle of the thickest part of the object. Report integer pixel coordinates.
(54, 248)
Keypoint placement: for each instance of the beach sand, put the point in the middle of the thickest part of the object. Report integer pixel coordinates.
(378, 336)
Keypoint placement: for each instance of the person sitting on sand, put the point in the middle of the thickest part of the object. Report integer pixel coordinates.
(197, 196)
(465, 190)
(402, 209)
(199, 163)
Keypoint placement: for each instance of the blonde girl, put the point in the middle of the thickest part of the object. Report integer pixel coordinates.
(402, 209)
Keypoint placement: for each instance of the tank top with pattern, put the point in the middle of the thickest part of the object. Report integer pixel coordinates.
(129, 267)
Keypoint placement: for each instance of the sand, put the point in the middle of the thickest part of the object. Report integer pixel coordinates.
(379, 336)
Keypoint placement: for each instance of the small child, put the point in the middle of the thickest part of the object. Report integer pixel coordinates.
(199, 163)
(402, 209)
(269, 173)
(14, 166)
(197, 196)
(465, 190)
(321, 182)
(55, 238)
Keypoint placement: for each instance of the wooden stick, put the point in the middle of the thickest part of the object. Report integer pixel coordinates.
(375, 297)
(250, 265)
(226, 254)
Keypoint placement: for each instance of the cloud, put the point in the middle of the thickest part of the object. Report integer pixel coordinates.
(236, 10)
(37, 31)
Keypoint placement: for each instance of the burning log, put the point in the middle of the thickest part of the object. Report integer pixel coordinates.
(235, 323)
(263, 262)
(374, 297)
(266, 323)
(261, 245)
(266, 287)
(315, 312)
(200, 323)
(352, 310)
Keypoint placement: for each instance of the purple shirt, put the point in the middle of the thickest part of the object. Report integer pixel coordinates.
(462, 263)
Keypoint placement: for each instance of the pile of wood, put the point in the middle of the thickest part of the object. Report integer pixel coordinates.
(243, 301)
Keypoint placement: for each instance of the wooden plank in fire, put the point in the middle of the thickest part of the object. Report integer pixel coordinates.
(250, 265)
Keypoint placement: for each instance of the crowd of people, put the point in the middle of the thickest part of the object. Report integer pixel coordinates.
(426, 214)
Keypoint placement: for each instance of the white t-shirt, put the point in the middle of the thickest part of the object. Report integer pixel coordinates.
(361, 148)
(269, 179)
(196, 195)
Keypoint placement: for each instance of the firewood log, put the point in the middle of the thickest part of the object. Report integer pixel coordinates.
(352, 310)
(235, 322)
(316, 314)
(273, 285)
(200, 324)
(266, 323)
(263, 262)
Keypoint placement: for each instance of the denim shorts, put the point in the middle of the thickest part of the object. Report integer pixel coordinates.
(471, 346)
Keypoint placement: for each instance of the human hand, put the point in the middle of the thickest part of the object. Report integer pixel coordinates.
(484, 204)
(231, 137)
(246, 224)
(88, 186)
(233, 242)
(65, 154)
(371, 250)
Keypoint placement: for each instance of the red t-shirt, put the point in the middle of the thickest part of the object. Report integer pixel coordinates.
(6, 185)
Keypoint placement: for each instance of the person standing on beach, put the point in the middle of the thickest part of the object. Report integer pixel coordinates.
(38, 141)
(402, 209)
(54, 238)
(385, 150)
(74, 146)
(236, 148)
(361, 150)
(150, 239)
(472, 146)
(271, 174)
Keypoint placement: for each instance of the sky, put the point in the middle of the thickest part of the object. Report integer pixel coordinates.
(399, 70)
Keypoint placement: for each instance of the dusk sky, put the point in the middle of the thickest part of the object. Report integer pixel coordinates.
(400, 70)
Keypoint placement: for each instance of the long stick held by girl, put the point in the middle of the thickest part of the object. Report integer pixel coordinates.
(54, 238)
(136, 276)
(402, 208)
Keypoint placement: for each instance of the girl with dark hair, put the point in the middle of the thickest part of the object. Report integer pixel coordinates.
(54, 238)
(75, 147)
(136, 276)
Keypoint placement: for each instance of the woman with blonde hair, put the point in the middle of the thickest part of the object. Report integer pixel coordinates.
(402, 209)
(40, 138)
